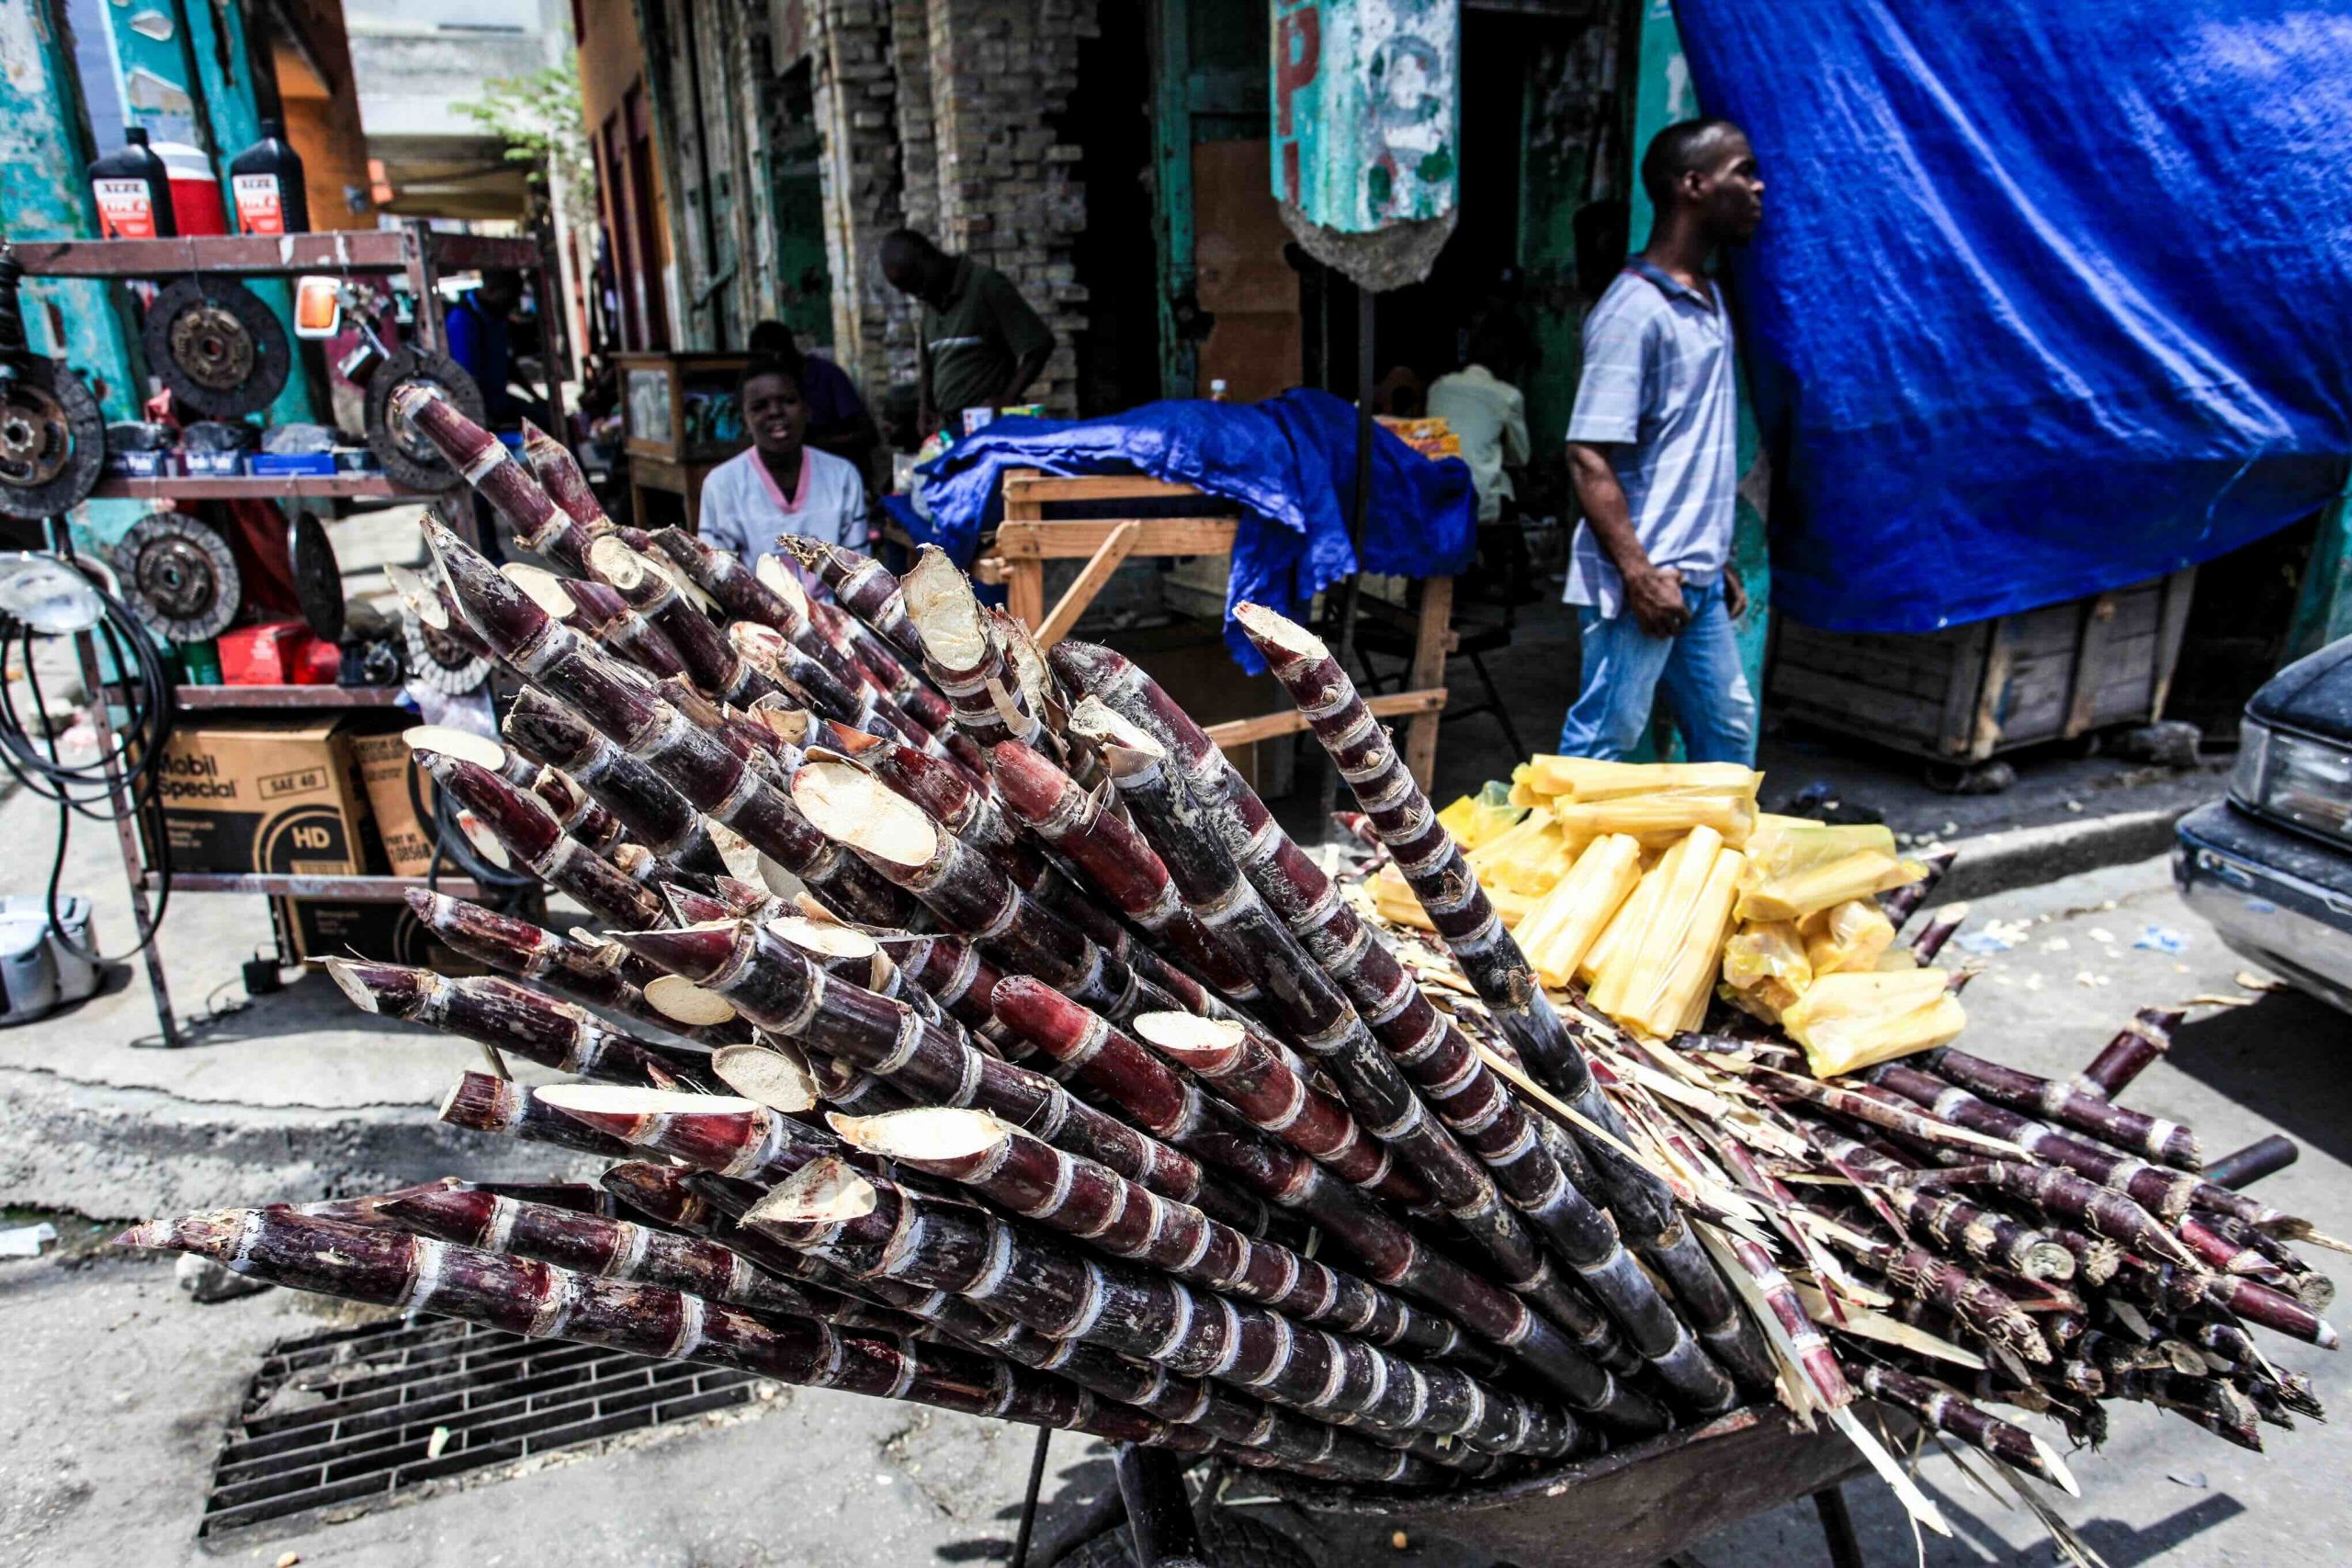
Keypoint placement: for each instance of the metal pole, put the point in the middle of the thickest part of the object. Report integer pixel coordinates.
(1159, 1511)
(1838, 1528)
(1357, 513)
(1029, 1499)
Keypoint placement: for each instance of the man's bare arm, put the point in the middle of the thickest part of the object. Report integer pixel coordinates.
(1655, 597)
(1023, 375)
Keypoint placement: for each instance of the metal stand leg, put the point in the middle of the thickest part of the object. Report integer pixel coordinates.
(1159, 1511)
(126, 828)
(1838, 1528)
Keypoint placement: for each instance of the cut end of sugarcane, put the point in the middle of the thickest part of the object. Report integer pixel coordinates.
(763, 646)
(613, 562)
(781, 880)
(421, 594)
(2049, 1261)
(941, 602)
(658, 1192)
(774, 1078)
(544, 588)
(1126, 748)
(680, 1000)
(827, 939)
(1269, 629)
(449, 740)
(925, 1134)
(849, 742)
(394, 990)
(480, 1100)
(1187, 1038)
(825, 1192)
(852, 806)
(780, 579)
(622, 1109)
(2055, 1467)
(700, 952)
(212, 1232)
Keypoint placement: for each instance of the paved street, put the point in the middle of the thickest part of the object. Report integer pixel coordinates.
(120, 1386)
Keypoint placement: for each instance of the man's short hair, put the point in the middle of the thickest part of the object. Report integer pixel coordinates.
(1675, 152)
(902, 245)
(765, 365)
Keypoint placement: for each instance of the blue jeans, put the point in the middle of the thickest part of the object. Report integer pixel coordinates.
(1624, 667)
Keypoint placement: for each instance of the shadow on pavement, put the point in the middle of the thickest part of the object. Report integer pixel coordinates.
(2283, 1059)
(1082, 1505)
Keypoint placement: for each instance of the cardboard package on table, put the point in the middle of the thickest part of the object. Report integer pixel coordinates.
(385, 767)
(385, 931)
(279, 796)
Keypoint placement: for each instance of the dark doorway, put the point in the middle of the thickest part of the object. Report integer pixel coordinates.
(1109, 117)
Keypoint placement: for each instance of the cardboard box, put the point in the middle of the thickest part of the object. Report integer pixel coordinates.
(385, 766)
(277, 795)
(386, 932)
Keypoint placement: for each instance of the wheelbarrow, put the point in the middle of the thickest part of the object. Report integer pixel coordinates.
(1635, 1508)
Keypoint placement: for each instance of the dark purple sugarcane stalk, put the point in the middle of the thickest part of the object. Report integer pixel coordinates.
(495, 473)
(1117, 860)
(1938, 931)
(791, 669)
(719, 1132)
(1319, 1019)
(1943, 1410)
(1147, 1090)
(533, 838)
(710, 660)
(641, 724)
(608, 619)
(1870, 1109)
(754, 741)
(779, 989)
(2219, 1407)
(532, 953)
(2065, 1104)
(616, 1249)
(2288, 1270)
(482, 1102)
(1252, 1074)
(884, 669)
(650, 810)
(2063, 1195)
(500, 1012)
(2135, 1047)
(951, 970)
(942, 789)
(1813, 1348)
(1952, 1221)
(1900, 904)
(1979, 1306)
(859, 959)
(559, 474)
(1290, 1440)
(1431, 864)
(519, 1295)
(1081, 1198)
(1068, 1294)
(576, 813)
(963, 888)
(961, 657)
(2265, 1156)
(864, 587)
(428, 600)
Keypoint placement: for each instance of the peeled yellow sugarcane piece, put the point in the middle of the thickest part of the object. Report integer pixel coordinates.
(1659, 816)
(1687, 953)
(1768, 950)
(1799, 894)
(1850, 935)
(1586, 780)
(1526, 859)
(1562, 927)
(1639, 962)
(1767, 999)
(1849, 1022)
(1393, 897)
(1620, 932)
(1475, 818)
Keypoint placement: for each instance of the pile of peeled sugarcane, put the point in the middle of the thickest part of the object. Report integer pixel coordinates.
(962, 1028)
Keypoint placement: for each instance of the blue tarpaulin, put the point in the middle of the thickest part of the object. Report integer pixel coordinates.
(1288, 462)
(2049, 299)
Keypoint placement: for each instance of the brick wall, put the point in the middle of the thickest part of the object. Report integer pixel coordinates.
(854, 88)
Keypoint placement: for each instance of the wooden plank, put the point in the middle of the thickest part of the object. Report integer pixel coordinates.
(1090, 579)
(1290, 721)
(2172, 623)
(1433, 640)
(1020, 507)
(247, 486)
(2089, 664)
(1860, 711)
(1075, 539)
(1036, 489)
(252, 255)
(1025, 591)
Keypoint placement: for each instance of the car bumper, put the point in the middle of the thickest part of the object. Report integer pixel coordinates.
(2274, 896)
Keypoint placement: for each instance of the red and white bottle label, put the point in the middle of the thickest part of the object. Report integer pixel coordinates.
(259, 208)
(126, 209)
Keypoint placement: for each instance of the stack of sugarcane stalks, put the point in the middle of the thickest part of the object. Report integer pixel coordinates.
(1040, 1074)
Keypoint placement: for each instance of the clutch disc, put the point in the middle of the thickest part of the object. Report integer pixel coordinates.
(52, 440)
(318, 580)
(217, 346)
(436, 658)
(179, 577)
(411, 459)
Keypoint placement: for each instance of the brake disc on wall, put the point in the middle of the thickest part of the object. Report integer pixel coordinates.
(179, 576)
(407, 456)
(52, 439)
(217, 346)
(318, 580)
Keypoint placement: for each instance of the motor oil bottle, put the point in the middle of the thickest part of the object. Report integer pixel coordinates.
(134, 190)
(266, 180)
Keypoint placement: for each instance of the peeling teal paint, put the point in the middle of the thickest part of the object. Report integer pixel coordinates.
(1367, 110)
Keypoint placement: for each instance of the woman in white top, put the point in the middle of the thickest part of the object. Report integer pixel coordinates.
(781, 485)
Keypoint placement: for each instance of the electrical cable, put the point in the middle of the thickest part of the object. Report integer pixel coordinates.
(89, 789)
(450, 843)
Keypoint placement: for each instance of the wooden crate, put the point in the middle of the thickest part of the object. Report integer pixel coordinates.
(1968, 693)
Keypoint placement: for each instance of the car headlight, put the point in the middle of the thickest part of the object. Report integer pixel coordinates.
(2295, 779)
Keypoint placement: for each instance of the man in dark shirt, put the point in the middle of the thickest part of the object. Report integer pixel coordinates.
(476, 330)
(981, 343)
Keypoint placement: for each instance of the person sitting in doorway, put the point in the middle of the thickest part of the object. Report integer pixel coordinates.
(1653, 447)
(478, 330)
(981, 345)
(838, 420)
(780, 484)
(1482, 404)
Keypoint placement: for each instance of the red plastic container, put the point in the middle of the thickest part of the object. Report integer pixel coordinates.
(195, 193)
(271, 654)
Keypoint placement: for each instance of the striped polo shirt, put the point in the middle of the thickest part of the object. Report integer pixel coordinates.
(1660, 391)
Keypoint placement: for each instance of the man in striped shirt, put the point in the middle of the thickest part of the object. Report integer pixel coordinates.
(1653, 447)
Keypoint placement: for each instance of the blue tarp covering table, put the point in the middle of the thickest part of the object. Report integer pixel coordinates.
(1289, 464)
(2049, 299)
